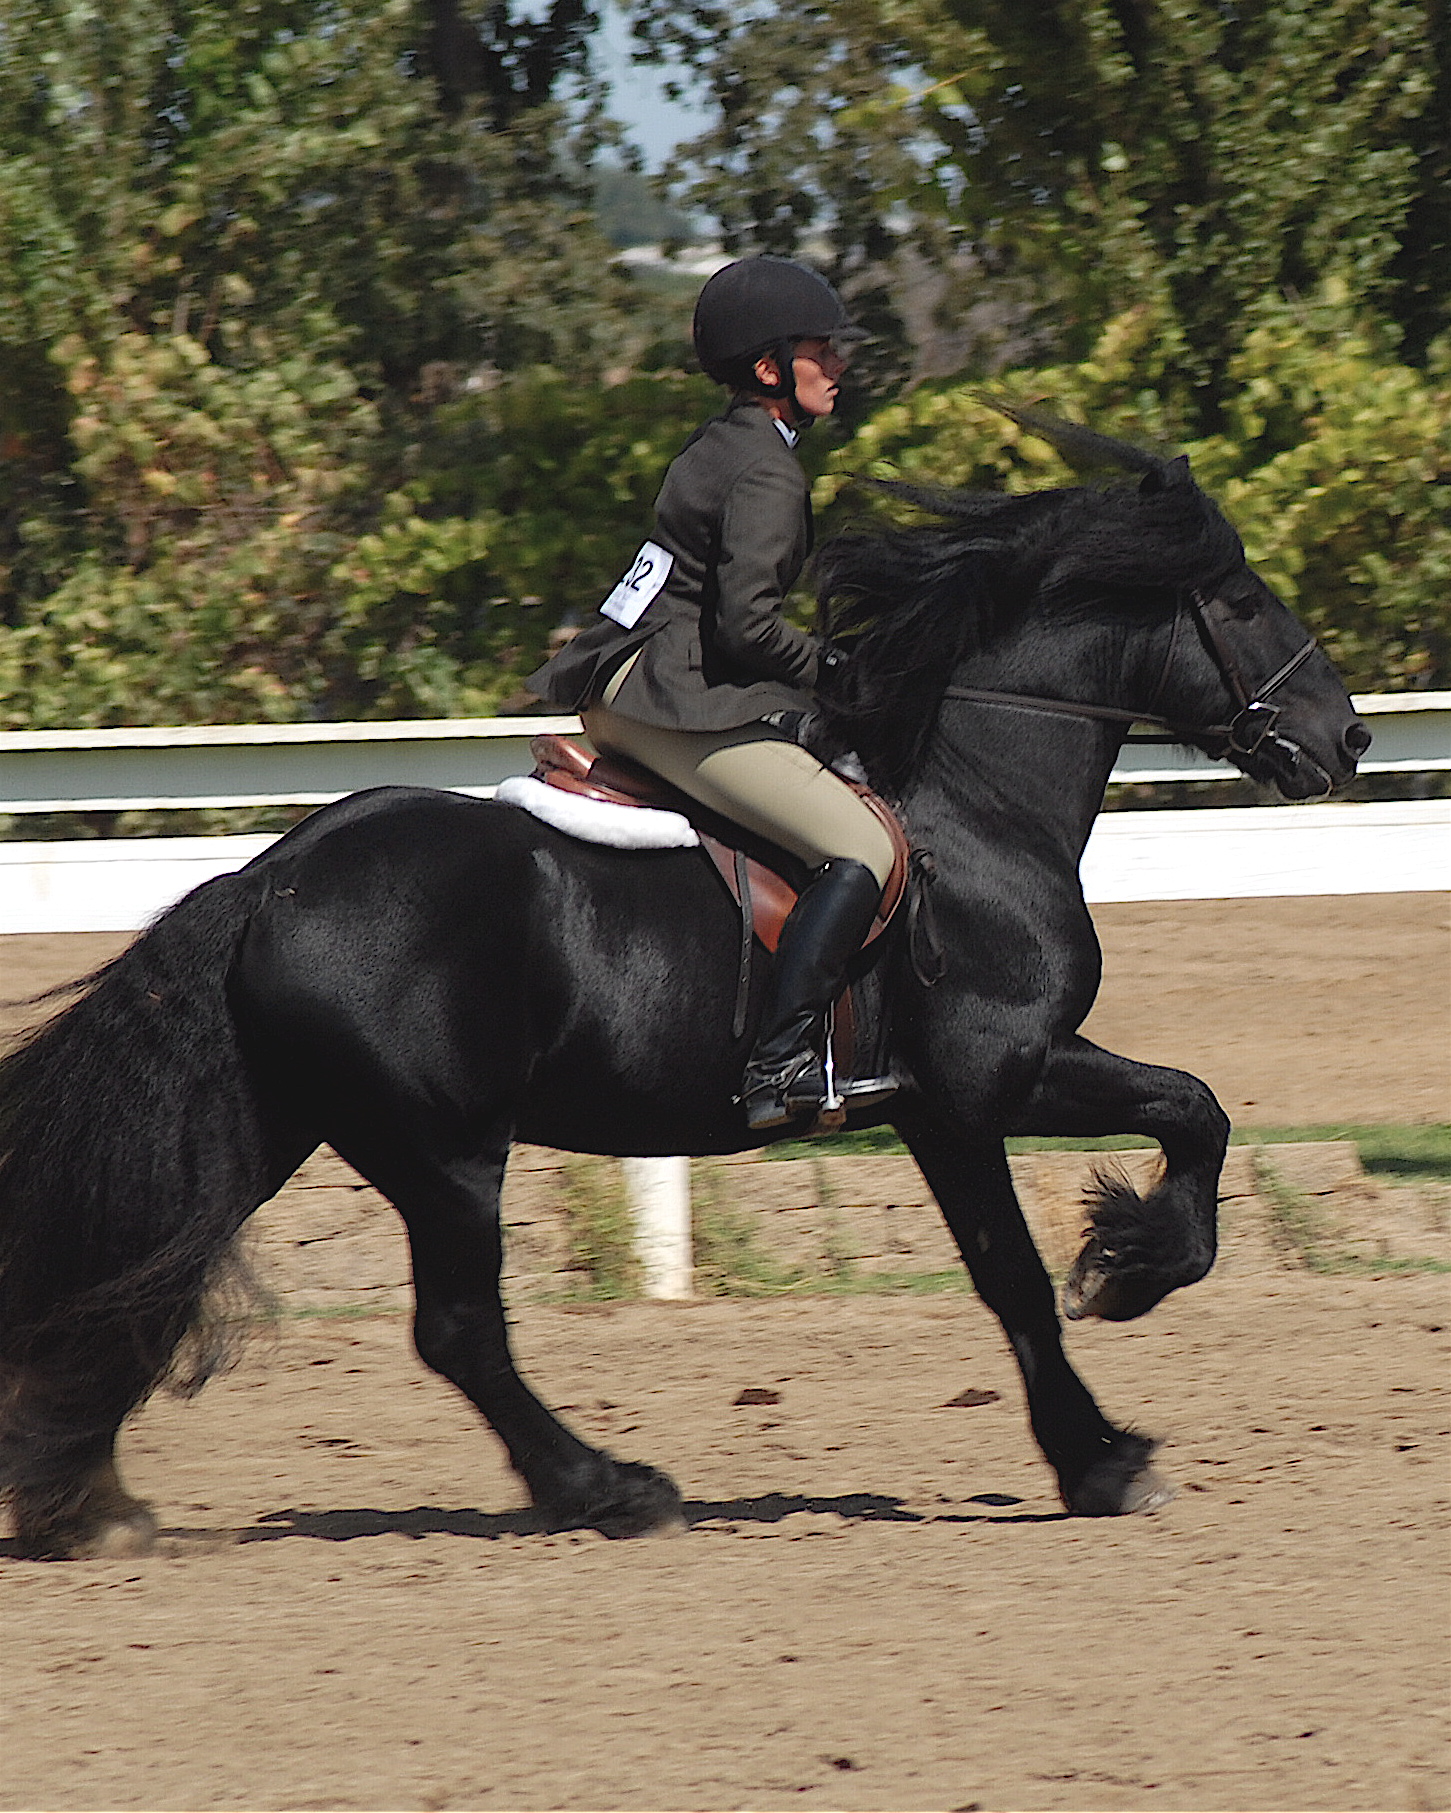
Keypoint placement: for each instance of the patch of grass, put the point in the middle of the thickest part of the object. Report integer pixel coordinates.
(1302, 1231)
(339, 1312)
(840, 1269)
(730, 1260)
(894, 1284)
(1410, 1152)
(869, 1141)
(601, 1235)
(1377, 1267)
(1297, 1227)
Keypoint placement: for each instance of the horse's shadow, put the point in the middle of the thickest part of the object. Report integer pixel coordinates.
(495, 1526)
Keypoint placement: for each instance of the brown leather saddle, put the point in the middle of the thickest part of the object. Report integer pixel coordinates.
(764, 891)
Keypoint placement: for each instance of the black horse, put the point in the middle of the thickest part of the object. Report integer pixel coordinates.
(420, 979)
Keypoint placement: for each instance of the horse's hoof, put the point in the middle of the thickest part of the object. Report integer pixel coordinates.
(1094, 1288)
(1148, 1492)
(1121, 1483)
(633, 1500)
(647, 1503)
(119, 1538)
(113, 1536)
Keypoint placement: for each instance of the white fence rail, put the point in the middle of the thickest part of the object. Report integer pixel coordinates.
(117, 884)
(258, 764)
(310, 764)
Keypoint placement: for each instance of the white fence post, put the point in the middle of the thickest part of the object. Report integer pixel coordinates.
(659, 1195)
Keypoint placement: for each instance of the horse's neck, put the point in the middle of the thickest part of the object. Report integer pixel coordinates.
(1005, 775)
(1008, 773)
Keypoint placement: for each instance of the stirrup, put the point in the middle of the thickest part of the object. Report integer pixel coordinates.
(866, 1091)
(840, 1094)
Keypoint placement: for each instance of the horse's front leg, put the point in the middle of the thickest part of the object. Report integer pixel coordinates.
(1102, 1471)
(1138, 1248)
(451, 1209)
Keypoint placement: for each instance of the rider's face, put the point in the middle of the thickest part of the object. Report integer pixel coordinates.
(817, 367)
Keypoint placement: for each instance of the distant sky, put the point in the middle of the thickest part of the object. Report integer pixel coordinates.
(656, 125)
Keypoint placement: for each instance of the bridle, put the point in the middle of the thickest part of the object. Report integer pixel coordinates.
(1255, 722)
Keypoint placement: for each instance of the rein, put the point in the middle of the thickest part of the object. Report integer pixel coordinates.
(1252, 724)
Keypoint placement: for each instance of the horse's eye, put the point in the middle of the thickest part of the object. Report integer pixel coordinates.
(1245, 606)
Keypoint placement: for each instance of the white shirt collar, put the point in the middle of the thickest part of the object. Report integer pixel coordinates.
(788, 434)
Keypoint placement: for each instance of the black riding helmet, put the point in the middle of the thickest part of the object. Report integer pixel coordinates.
(763, 305)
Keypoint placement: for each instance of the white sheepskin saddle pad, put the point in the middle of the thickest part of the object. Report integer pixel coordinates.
(598, 821)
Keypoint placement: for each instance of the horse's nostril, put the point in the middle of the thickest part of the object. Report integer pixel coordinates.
(1357, 739)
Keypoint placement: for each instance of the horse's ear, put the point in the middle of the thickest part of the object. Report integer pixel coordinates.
(1172, 475)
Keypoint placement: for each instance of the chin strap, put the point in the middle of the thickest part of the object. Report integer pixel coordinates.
(784, 390)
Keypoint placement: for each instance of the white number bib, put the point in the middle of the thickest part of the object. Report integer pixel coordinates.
(648, 573)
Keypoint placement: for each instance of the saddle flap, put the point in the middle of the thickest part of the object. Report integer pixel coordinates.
(771, 895)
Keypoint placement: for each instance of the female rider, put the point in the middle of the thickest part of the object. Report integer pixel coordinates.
(692, 660)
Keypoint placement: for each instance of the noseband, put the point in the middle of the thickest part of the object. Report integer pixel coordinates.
(1254, 723)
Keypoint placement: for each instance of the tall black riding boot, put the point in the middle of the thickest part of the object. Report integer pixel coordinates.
(832, 916)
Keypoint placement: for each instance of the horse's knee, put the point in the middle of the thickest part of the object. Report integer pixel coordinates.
(1195, 1123)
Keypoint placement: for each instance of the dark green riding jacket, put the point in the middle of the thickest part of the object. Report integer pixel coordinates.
(732, 532)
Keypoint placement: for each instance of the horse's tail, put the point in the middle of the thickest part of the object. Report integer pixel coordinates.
(131, 1151)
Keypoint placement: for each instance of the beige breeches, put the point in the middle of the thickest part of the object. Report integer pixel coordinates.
(756, 779)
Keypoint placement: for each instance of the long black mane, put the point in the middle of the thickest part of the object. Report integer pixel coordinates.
(910, 602)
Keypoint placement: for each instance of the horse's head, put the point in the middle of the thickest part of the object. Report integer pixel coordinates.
(1245, 681)
(1121, 603)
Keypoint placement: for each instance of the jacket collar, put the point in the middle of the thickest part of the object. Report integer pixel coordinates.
(753, 412)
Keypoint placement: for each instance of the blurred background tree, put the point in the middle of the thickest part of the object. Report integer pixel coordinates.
(253, 254)
(1071, 158)
(324, 391)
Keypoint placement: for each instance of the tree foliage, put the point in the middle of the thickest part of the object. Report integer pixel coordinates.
(321, 393)
(1334, 462)
(255, 256)
(1084, 155)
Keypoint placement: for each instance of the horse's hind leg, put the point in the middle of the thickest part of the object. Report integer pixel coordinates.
(1138, 1248)
(67, 1392)
(1103, 1471)
(451, 1209)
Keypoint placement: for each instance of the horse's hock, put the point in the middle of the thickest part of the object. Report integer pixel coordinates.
(329, 1241)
